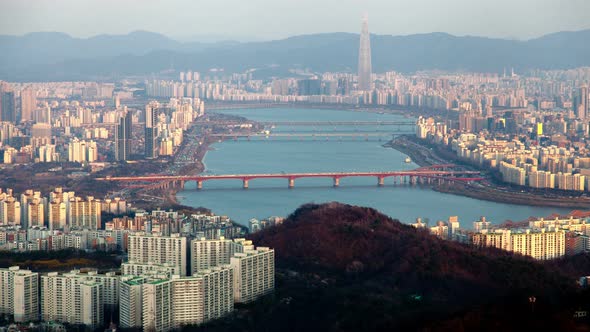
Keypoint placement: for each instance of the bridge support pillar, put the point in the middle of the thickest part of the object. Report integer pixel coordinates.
(199, 184)
(291, 183)
(381, 181)
(245, 186)
(336, 182)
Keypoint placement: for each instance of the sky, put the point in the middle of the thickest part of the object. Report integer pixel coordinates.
(274, 19)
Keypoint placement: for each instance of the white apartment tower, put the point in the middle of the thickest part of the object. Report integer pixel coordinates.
(144, 249)
(130, 301)
(210, 253)
(157, 305)
(26, 296)
(71, 298)
(254, 274)
(19, 294)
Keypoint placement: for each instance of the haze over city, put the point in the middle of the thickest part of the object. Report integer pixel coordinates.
(294, 165)
(269, 19)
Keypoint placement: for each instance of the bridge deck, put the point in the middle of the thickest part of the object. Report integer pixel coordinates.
(315, 123)
(418, 173)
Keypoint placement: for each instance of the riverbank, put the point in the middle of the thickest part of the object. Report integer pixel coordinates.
(425, 155)
(379, 109)
(188, 160)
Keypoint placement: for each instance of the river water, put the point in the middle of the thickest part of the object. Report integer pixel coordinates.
(269, 197)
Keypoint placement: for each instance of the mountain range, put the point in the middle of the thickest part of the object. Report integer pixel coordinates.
(57, 56)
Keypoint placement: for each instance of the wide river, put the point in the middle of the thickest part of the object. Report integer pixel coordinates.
(269, 197)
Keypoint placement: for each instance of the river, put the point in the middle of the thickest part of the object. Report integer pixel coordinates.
(268, 197)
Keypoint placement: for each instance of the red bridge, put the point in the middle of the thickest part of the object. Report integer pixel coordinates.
(436, 173)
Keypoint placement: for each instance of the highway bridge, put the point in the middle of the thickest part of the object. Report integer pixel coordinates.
(313, 123)
(361, 135)
(437, 173)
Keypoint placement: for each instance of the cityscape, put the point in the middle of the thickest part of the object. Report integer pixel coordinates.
(369, 179)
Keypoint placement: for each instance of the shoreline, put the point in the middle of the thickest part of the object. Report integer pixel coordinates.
(422, 155)
(426, 156)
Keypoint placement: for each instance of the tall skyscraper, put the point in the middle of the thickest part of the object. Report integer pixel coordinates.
(364, 67)
(151, 124)
(28, 103)
(123, 138)
(581, 103)
(8, 106)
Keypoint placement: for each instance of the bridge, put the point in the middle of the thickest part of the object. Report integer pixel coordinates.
(437, 173)
(295, 135)
(314, 123)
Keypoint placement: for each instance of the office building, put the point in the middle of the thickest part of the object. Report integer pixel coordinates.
(7, 101)
(28, 103)
(309, 87)
(580, 104)
(151, 130)
(123, 137)
(364, 64)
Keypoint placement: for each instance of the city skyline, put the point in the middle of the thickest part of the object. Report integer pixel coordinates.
(219, 21)
(270, 165)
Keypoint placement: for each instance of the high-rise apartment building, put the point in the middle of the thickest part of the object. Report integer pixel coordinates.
(123, 133)
(26, 296)
(71, 298)
(205, 296)
(19, 294)
(84, 213)
(10, 211)
(159, 303)
(364, 65)
(540, 243)
(57, 215)
(82, 151)
(254, 274)
(30, 196)
(207, 253)
(144, 248)
(131, 301)
(35, 212)
(580, 104)
(147, 269)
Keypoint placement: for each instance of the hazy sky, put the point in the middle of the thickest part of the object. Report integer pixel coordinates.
(270, 19)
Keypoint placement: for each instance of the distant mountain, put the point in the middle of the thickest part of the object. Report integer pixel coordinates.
(347, 268)
(57, 56)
